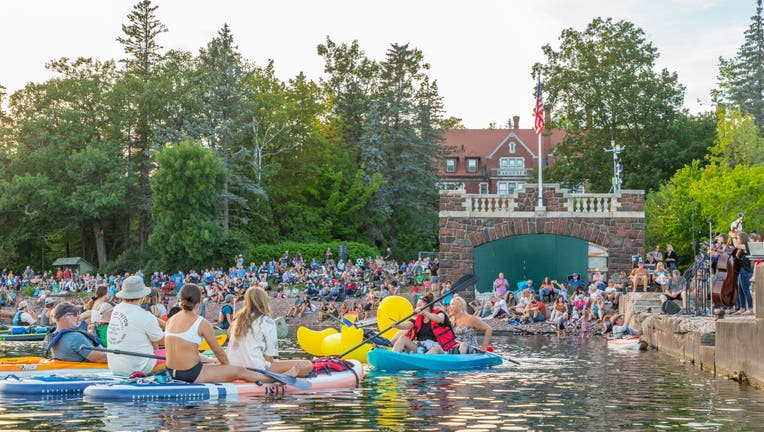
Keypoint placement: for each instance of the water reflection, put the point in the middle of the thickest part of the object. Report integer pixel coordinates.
(561, 384)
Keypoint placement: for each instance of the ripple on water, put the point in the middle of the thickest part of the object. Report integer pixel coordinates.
(566, 384)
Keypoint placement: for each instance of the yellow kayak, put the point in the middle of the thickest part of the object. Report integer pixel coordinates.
(26, 364)
(31, 363)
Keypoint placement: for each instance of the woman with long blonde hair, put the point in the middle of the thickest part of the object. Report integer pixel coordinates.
(466, 327)
(254, 343)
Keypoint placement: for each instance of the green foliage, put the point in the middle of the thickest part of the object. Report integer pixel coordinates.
(267, 252)
(738, 141)
(83, 146)
(186, 187)
(601, 86)
(716, 192)
(29, 290)
(741, 78)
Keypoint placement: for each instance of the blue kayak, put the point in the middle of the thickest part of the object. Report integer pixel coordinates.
(392, 361)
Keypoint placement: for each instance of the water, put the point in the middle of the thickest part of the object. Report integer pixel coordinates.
(568, 384)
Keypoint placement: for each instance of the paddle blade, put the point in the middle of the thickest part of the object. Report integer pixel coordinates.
(289, 380)
(465, 282)
(376, 340)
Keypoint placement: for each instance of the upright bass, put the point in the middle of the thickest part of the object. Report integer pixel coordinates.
(724, 287)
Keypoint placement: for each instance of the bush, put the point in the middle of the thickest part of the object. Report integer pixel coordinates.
(29, 290)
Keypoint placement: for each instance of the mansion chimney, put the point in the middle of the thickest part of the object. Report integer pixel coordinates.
(516, 121)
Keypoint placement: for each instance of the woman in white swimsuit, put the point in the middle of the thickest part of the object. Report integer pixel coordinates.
(183, 335)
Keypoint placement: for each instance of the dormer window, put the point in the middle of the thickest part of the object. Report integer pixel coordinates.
(472, 164)
(450, 165)
(511, 146)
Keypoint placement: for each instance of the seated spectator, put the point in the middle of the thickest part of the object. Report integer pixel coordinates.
(597, 309)
(661, 276)
(560, 290)
(639, 276)
(305, 307)
(70, 344)
(536, 311)
(621, 282)
(559, 309)
(323, 311)
(574, 281)
(511, 300)
(546, 290)
(611, 293)
(675, 287)
(294, 308)
(498, 308)
(333, 311)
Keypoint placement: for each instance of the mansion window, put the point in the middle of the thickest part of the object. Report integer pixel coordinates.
(511, 146)
(483, 188)
(507, 188)
(472, 164)
(512, 163)
(450, 165)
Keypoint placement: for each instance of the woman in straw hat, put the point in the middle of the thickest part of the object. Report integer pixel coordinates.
(185, 332)
(132, 328)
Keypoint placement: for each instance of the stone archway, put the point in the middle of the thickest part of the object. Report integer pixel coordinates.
(613, 221)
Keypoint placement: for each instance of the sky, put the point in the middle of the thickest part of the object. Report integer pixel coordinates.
(480, 52)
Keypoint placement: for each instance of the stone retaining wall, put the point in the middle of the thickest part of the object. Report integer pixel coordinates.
(731, 347)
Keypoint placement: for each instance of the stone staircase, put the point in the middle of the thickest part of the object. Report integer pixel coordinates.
(640, 303)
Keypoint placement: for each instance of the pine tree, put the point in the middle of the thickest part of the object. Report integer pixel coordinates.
(143, 57)
(741, 78)
(220, 77)
(140, 39)
(400, 141)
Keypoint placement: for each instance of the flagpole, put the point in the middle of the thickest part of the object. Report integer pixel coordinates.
(541, 186)
(538, 127)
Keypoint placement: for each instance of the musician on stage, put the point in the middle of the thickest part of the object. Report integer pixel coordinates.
(737, 224)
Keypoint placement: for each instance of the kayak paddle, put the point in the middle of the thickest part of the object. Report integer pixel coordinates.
(463, 283)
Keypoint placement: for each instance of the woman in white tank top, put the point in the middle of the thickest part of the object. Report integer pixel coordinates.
(184, 333)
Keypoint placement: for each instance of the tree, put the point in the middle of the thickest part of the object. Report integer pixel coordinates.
(352, 80)
(738, 141)
(400, 141)
(601, 85)
(220, 76)
(728, 184)
(142, 99)
(186, 186)
(66, 145)
(741, 78)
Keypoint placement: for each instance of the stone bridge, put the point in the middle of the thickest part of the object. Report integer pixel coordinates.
(612, 225)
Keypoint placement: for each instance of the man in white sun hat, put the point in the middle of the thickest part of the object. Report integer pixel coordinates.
(133, 328)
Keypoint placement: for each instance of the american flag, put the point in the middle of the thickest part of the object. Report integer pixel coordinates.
(538, 123)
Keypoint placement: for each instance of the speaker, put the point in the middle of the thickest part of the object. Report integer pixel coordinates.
(670, 307)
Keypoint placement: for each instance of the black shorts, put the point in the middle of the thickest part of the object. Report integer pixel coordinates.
(188, 375)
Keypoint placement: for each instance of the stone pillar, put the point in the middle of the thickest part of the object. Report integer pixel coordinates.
(757, 290)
